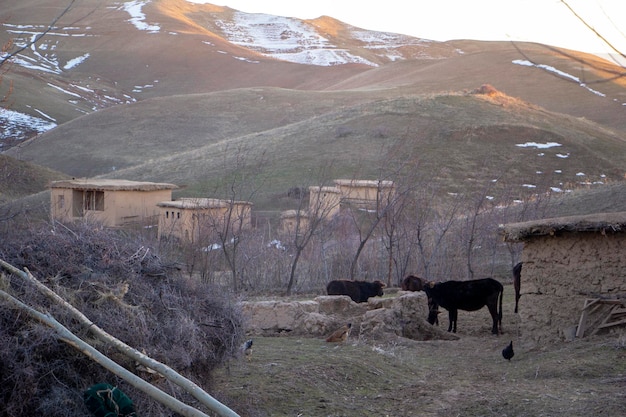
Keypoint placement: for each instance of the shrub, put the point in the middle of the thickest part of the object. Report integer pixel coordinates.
(124, 287)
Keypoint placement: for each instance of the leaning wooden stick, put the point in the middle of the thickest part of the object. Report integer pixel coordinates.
(68, 337)
(145, 360)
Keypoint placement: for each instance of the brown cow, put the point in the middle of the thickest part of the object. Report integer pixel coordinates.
(358, 291)
(414, 283)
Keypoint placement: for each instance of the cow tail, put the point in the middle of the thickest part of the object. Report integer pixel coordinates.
(500, 312)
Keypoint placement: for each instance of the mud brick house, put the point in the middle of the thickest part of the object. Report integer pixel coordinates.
(324, 201)
(112, 202)
(289, 220)
(192, 219)
(365, 193)
(327, 201)
(570, 264)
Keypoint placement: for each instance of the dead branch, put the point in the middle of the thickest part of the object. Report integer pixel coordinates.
(93, 354)
(63, 334)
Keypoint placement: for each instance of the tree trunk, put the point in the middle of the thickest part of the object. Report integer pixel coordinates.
(292, 274)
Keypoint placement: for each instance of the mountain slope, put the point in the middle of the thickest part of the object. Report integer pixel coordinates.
(19, 179)
(173, 91)
(105, 53)
(457, 142)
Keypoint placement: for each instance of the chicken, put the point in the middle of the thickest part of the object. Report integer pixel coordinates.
(341, 334)
(247, 349)
(507, 352)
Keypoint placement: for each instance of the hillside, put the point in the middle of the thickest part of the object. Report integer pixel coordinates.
(455, 141)
(168, 90)
(105, 53)
(19, 179)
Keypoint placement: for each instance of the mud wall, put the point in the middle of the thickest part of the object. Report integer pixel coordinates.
(379, 318)
(560, 272)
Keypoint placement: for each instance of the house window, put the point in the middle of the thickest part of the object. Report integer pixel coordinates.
(167, 214)
(94, 200)
(61, 202)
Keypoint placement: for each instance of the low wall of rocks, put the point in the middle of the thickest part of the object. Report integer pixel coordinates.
(403, 315)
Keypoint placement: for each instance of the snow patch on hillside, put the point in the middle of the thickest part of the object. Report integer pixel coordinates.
(43, 56)
(389, 42)
(287, 39)
(560, 73)
(75, 62)
(14, 125)
(137, 16)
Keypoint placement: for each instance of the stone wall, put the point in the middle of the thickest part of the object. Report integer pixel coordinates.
(560, 272)
(403, 315)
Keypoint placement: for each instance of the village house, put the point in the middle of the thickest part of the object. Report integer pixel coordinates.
(290, 220)
(109, 201)
(366, 194)
(327, 201)
(192, 219)
(324, 201)
(573, 280)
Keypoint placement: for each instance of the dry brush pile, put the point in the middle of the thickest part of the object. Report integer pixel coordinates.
(123, 287)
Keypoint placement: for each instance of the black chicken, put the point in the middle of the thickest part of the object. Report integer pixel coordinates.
(507, 352)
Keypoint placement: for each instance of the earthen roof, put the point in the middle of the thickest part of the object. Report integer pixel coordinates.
(364, 183)
(111, 185)
(200, 203)
(604, 223)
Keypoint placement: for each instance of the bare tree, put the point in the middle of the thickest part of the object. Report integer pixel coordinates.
(8, 55)
(399, 206)
(307, 223)
(597, 33)
(367, 218)
(240, 183)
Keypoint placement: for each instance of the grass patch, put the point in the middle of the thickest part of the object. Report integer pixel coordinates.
(290, 376)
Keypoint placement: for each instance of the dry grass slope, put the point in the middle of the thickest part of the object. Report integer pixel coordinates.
(287, 138)
(20, 179)
(398, 377)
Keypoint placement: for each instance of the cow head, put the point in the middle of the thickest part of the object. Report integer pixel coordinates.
(413, 283)
(379, 286)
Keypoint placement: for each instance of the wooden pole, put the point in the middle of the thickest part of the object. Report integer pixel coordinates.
(63, 334)
(145, 360)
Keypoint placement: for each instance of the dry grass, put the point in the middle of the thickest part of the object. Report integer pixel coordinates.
(453, 141)
(19, 179)
(290, 376)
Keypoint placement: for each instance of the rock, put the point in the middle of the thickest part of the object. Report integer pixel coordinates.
(403, 315)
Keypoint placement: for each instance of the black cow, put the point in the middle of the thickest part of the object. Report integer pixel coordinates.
(469, 296)
(517, 277)
(359, 291)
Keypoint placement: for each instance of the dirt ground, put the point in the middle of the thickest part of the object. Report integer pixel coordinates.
(299, 376)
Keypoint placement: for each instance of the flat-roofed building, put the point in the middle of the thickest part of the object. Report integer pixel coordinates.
(324, 202)
(190, 219)
(110, 201)
(366, 194)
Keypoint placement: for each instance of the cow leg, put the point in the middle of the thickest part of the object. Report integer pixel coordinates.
(493, 310)
(433, 311)
(452, 315)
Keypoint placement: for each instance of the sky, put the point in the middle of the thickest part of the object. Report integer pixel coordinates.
(544, 21)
